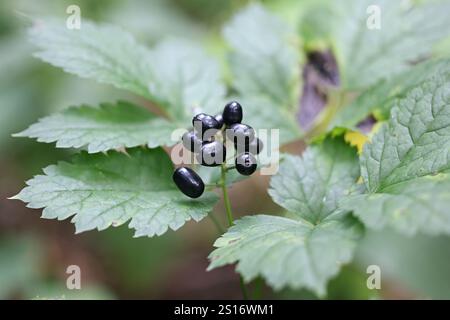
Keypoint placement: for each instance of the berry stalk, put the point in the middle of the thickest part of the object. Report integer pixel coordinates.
(226, 200)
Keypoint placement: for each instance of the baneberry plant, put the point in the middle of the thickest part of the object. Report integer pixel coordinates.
(394, 174)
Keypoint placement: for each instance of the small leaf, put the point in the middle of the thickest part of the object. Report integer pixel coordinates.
(287, 252)
(112, 126)
(310, 186)
(102, 190)
(399, 166)
(307, 250)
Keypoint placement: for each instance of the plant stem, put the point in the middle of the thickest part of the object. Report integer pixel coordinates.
(243, 288)
(226, 200)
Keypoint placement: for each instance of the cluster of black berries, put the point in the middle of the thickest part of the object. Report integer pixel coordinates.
(210, 151)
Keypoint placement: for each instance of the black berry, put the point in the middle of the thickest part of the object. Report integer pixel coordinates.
(246, 163)
(188, 182)
(240, 133)
(219, 119)
(212, 154)
(232, 113)
(253, 147)
(203, 122)
(191, 142)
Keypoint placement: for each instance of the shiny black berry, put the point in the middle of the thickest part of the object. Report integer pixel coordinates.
(253, 147)
(246, 163)
(191, 141)
(240, 133)
(219, 119)
(212, 154)
(203, 122)
(232, 113)
(188, 182)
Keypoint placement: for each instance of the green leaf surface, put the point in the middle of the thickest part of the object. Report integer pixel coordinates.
(176, 75)
(381, 97)
(112, 126)
(420, 204)
(263, 61)
(102, 190)
(405, 165)
(105, 53)
(265, 70)
(310, 186)
(365, 55)
(262, 113)
(287, 252)
(416, 140)
(304, 251)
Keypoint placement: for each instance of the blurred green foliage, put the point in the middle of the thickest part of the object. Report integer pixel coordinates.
(141, 267)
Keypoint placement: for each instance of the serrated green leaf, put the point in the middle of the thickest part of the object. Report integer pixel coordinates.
(307, 250)
(382, 95)
(416, 140)
(102, 190)
(365, 55)
(311, 186)
(416, 205)
(105, 53)
(400, 164)
(112, 126)
(176, 75)
(287, 252)
(262, 61)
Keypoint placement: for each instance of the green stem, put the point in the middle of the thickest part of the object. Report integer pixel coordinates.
(226, 200)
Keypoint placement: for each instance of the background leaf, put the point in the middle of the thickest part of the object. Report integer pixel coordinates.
(105, 53)
(111, 126)
(265, 69)
(380, 98)
(110, 55)
(408, 32)
(103, 190)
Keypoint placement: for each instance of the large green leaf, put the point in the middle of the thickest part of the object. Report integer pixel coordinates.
(265, 70)
(310, 186)
(307, 249)
(176, 75)
(420, 204)
(381, 97)
(416, 140)
(288, 252)
(103, 190)
(112, 126)
(408, 32)
(402, 163)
